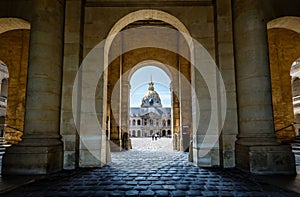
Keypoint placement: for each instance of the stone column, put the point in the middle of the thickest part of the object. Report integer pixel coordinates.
(124, 102)
(40, 152)
(185, 104)
(175, 114)
(225, 62)
(72, 61)
(114, 100)
(256, 148)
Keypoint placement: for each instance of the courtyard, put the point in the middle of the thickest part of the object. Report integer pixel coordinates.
(151, 168)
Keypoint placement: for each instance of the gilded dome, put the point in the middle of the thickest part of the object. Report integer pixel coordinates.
(151, 98)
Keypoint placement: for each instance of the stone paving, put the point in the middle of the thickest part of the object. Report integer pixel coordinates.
(161, 144)
(141, 172)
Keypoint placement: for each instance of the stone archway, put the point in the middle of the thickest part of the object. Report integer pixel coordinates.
(14, 48)
(208, 146)
(129, 65)
(169, 20)
(159, 75)
(284, 49)
(163, 41)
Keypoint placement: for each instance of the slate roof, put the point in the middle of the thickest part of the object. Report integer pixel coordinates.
(138, 111)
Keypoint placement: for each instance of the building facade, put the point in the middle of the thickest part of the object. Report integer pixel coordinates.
(3, 94)
(151, 118)
(295, 83)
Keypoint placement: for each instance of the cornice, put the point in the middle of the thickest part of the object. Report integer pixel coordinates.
(147, 3)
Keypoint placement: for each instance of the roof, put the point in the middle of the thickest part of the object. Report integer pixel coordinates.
(138, 111)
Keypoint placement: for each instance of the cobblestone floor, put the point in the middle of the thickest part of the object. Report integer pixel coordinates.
(141, 172)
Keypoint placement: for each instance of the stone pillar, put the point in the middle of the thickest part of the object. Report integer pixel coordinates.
(256, 148)
(124, 107)
(115, 84)
(40, 151)
(185, 104)
(175, 114)
(113, 99)
(225, 62)
(72, 61)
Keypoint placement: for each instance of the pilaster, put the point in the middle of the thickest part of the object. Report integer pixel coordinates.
(71, 64)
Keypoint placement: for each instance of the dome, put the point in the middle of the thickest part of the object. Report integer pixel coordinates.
(151, 98)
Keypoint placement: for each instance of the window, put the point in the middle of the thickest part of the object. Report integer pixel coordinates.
(169, 122)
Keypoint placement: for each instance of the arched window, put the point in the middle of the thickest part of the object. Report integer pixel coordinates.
(169, 122)
(133, 133)
(138, 122)
(169, 132)
(133, 122)
(4, 87)
(151, 122)
(164, 122)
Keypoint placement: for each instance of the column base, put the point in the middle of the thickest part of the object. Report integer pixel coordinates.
(206, 156)
(265, 160)
(26, 160)
(115, 145)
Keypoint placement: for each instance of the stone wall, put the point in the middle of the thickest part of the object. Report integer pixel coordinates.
(14, 47)
(284, 49)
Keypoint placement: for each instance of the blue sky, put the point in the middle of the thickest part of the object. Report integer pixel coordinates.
(139, 85)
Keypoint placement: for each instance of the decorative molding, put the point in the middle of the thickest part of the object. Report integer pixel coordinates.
(147, 3)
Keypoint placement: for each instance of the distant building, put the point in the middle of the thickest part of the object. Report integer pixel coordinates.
(3, 93)
(295, 74)
(151, 118)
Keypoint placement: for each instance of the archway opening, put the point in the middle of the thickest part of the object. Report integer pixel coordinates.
(154, 35)
(150, 102)
(14, 50)
(295, 83)
(173, 50)
(284, 51)
(177, 114)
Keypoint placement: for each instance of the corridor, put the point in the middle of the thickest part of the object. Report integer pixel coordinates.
(142, 172)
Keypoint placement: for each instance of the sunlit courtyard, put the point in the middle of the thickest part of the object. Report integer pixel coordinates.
(161, 144)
